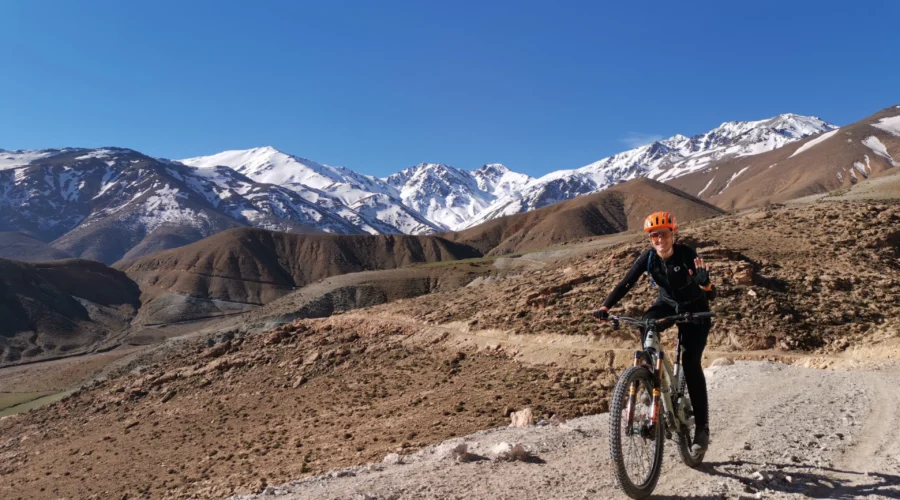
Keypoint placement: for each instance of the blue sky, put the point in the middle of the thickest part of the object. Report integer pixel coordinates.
(380, 86)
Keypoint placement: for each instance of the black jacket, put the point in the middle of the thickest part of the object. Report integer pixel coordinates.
(673, 277)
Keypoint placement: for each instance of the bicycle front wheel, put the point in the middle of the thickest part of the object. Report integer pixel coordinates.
(636, 450)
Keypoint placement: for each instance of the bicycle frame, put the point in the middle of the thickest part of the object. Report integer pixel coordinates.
(667, 382)
(638, 429)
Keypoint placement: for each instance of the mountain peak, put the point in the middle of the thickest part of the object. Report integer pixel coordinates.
(267, 151)
(787, 124)
(492, 169)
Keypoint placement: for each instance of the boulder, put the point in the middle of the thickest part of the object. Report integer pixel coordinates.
(743, 274)
(522, 418)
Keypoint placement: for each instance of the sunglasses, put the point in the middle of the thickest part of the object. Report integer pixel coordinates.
(655, 235)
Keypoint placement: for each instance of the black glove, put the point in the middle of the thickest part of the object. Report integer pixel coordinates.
(601, 314)
(701, 277)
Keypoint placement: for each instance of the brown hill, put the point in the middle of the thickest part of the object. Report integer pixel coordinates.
(166, 237)
(17, 245)
(619, 208)
(819, 164)
(61, 308)
(256, 266)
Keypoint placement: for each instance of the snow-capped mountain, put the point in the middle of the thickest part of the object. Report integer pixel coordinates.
(498, 180)
(383, 208)
(446, 195)
(363, 200)
(109, 203)
(270, 166)
(15, 159)
(423, 199)
(661, 160)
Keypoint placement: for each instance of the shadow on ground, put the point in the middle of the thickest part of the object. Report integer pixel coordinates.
(811, 481)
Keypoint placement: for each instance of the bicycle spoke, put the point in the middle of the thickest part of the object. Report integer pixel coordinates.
(639, 449)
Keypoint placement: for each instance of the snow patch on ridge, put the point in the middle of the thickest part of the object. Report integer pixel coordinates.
(97, 153)
(733, 177)
(890, 125)
(864, 169)
(879, 148)
(16, 159)
(814, 142)
(707, 186)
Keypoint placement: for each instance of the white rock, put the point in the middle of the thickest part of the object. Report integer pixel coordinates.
(519, 452)
(506, 451)
(461, 453)
(392, 459)
(501, 450)
(522, 418)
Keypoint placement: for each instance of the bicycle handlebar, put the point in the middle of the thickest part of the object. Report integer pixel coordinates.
(683, 317)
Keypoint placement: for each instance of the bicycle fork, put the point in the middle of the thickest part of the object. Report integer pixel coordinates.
(655, 407)
(632, 396)
(656, 402)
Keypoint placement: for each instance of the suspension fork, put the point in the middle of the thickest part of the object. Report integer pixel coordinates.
(632, 395)
(657, 403)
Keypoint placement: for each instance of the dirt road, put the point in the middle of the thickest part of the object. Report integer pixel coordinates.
(779, 431)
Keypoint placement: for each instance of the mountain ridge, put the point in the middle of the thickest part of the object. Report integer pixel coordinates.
(114, 203)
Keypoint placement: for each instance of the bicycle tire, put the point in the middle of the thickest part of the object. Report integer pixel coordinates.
(683, 439)
(618, 404)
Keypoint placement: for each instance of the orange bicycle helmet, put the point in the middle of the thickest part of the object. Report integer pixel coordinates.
(660, 220)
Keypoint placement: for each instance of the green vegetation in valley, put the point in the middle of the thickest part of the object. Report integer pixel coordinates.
(18, 402)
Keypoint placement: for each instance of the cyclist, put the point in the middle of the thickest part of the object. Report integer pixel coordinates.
(684, 286)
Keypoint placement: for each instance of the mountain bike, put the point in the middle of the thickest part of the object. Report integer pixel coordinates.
(650, 404)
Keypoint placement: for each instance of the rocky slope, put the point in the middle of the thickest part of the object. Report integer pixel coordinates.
(308, 397)
(783, 282)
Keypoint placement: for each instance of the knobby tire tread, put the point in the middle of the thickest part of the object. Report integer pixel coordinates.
(617, 405)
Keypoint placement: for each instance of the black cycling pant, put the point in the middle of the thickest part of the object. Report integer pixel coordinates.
(693, 339)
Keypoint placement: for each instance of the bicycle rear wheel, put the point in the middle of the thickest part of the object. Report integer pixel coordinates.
(685, 436)
(636, 451)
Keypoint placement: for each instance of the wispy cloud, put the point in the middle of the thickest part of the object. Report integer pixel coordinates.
(635, 139)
